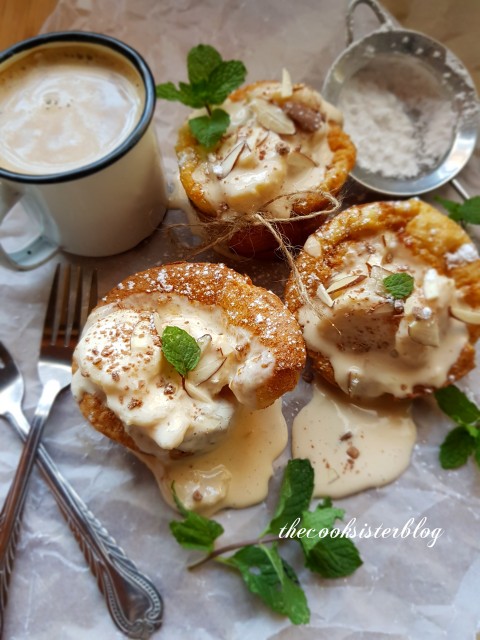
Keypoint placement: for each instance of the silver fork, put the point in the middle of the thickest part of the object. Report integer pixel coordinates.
(133, 601)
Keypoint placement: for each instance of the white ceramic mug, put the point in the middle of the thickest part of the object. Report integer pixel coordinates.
(102, 207)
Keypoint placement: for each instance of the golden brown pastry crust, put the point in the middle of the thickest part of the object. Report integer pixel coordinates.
(257, 240)
(240, 300)
(425, 231)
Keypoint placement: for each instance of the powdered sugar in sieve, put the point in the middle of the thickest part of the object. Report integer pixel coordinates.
(409, 105)
(399, 117)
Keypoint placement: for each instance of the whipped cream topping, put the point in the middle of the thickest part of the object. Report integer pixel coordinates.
(376, 344)
(120, 359)
(275, 147)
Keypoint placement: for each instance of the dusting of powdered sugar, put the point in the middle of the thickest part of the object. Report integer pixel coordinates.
(464, 254)
(399, 117)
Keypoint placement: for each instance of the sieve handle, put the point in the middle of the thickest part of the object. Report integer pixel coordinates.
(459, 188)
(381, 14)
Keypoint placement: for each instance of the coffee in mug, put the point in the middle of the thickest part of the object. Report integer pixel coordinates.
(77, 145)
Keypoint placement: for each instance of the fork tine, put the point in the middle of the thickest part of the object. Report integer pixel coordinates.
(93, 297)
(62, 330)
(77, 314)
(49, 324)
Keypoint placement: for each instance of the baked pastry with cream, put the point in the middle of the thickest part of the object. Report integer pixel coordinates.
(252, 352)
(284, 149)
(368, 338)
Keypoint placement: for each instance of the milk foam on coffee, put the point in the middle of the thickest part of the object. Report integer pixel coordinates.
(65, 106)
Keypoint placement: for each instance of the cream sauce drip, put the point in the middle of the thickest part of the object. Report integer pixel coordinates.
(235, 473)
(352, 446)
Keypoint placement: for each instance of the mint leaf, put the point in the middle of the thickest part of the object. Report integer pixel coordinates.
(457, 406)
(456, 448)
(268, 576)
(180, 349)
(295, 495)
(477, 452)
(451, 206)
(184, 94)
(468, 211)
(209, 129)
(399, 285)
(322, 518)
(225, 79)
(201, 61)
(332, 557)
(196, 531)
(192, 97)
(168, 91)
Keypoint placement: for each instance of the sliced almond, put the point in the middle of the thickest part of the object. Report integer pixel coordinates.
(425, 332)
(324, 296)
(209, 364)
(272, 117)
(344, 282)
(470, 316)
(373, 261)
(410, 304)
(353, 383)
(389, 240)
(378, 274)
(204, 341)
(195, 392)
(300, 161)
(313, 247)
(222, 169)
(287, 88)
(157, 321)
(431, 285)
(261, 140)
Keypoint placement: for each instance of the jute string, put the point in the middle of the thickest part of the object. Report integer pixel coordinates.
(221, 231)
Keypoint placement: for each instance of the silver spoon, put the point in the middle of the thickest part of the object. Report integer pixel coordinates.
(454, 83)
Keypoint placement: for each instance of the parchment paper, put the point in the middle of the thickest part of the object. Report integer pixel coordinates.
(404, 589)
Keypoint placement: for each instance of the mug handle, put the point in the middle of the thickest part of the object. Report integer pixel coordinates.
(381, 14)
(36, 251)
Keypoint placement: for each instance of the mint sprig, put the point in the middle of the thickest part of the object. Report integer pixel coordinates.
(295, 495)
(468, 211)
(211, 81)
(399, 285)
(272, 579)
(195, 531)
(264, 571)
(464, 440)
(180, 349)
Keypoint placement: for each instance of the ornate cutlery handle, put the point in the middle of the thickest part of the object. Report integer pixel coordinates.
(133, 601)
(12, 510)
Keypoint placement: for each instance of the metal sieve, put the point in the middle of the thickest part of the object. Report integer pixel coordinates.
(454, 84)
